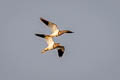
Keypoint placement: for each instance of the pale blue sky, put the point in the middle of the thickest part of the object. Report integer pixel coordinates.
(92, 52)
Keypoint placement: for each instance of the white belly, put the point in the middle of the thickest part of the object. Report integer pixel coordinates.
(50, 47)
(55, 33)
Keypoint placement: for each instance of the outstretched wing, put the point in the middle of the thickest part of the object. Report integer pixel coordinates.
(49, 40)
(52, 26)
(61, 51)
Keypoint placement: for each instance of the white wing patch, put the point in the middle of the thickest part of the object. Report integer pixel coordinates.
(55, 33)
(54, 28)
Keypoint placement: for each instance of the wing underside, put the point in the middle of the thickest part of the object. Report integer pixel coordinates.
(51, 25)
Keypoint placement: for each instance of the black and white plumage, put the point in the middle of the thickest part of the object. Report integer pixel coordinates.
(52, 45)
(54, 28)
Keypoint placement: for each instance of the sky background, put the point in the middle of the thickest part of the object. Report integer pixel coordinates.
(92, 52)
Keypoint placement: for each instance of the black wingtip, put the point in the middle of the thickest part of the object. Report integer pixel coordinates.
(60, 53)
(70, 32)
(40, 35)
(44, 21)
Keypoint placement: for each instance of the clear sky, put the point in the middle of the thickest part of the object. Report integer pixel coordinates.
(92, 52)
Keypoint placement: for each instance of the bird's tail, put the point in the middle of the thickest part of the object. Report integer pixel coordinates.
(41, 35)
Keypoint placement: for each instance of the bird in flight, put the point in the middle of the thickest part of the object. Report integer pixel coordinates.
(54, 28)
(52, 45)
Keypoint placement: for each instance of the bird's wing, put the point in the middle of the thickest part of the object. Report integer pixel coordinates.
(52, 26)
(49, 41)
(61, 50)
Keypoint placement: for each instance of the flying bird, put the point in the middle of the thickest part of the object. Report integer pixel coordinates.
(54, 28)
(52, 45)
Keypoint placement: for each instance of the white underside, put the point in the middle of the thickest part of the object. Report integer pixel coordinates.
(55, 33)
(50, 47)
